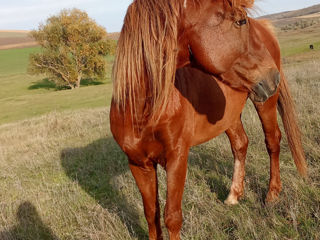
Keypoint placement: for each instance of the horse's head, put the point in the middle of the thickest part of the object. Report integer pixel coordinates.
(258, 69)
(217, 36)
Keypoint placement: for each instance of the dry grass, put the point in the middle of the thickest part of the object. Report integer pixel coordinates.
(314, 15)
(114, 36)
(10, 39)
(18, 45)
(62, 176)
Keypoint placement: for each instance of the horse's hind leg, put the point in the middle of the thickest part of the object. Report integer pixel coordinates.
(268, 116)
(239, 144)
(146, 179)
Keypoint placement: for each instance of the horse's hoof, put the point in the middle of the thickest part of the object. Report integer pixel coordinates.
(231, 200)
(272, 197)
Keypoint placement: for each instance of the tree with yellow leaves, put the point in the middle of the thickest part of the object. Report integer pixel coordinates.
(73, 47)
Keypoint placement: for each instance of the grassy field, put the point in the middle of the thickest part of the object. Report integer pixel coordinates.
(23, 96)
(296, 42)
(62, 176)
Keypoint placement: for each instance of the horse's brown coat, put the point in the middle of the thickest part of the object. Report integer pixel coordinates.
(158, 124)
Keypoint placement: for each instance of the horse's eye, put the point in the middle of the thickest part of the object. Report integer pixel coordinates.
(241, 22)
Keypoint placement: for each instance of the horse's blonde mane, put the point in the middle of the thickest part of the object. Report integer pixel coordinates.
(146, 58)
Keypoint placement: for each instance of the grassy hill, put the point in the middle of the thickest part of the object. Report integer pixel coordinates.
(10, 39)
(296, 42)
(114, 35)
(296, 31)
(13, 39)
(298, 19)
(296, 13)
(24, 96)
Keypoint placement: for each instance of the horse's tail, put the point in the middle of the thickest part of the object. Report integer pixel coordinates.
(289, 119)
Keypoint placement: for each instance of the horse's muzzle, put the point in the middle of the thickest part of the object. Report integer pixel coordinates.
(266, 88)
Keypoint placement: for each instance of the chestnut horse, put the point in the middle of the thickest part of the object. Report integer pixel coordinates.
(159, 109)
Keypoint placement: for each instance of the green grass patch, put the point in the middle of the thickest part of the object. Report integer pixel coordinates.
(15, 61)
(297, 42)
(23, 96)
(26, 106)
(298, 48)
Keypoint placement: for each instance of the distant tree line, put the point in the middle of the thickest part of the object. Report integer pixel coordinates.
(73, 47)
(299, 25)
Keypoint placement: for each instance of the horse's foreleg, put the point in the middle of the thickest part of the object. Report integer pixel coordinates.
(239, 144)
(268, 116)
(176, 168)
(146, 179)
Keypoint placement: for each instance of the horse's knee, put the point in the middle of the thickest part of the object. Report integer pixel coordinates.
(241, 144)
(273, 141)
(173, 220)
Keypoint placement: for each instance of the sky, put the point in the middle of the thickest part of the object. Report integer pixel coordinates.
(28, 14)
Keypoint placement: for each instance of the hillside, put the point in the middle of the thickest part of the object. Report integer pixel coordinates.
(303, 17)
(15, 39)
(296, 13)
(12, 39)
(23, 96)
(114, 35)
(296, 31)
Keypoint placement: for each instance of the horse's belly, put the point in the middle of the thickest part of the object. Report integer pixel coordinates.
(219, 117)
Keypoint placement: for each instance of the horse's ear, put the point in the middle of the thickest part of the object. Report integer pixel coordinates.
(248, 3)
(242, 3)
